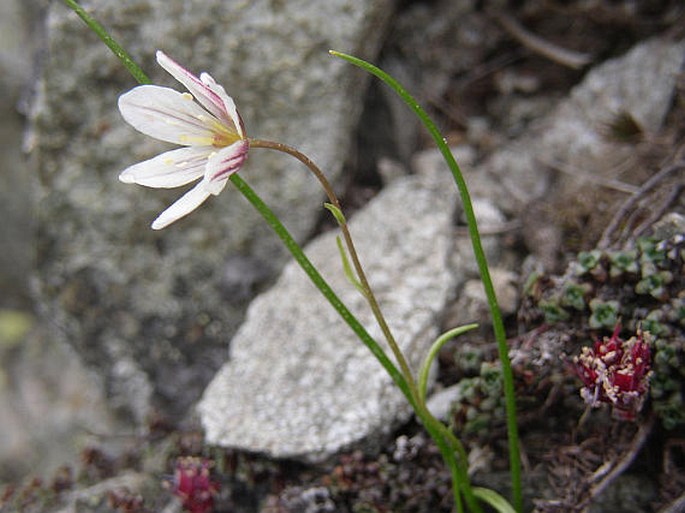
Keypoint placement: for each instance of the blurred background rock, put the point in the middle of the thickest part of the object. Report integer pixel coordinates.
(17, 47)
(47, 399)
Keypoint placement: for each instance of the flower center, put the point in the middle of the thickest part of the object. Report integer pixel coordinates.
(222, 135)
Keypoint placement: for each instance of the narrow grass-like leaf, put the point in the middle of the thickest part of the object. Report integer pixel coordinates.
(433, 352)
(479, 253)
(494, 499)
(337, 213)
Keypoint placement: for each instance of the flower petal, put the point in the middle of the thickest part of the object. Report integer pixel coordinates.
(170, 169)
(229, 104)
(168, 115)
(223, 164)
(182, 206)
(201, 90)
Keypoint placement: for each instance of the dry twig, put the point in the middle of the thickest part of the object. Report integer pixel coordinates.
(563, 56)
(632, 202)
(677, 506)
(609, 471)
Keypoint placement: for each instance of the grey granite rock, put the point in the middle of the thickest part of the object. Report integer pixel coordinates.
(50, 406)
(522, 179)
(160, 307)
(16, 47)
(640, 83)
(298, 383)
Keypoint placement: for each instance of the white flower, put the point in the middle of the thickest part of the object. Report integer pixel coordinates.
(205, 122)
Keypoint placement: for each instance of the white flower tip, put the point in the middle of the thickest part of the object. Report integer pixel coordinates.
(126, 177)
(207, 79)
(160, 55)
(164, 220)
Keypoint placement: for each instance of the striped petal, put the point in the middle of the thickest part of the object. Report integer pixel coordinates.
(168, 115)
(182, 207)
(207, 95)
(229, 104)
(222, 164)
(170, 169)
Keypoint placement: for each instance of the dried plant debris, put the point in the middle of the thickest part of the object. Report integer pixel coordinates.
(409, 477)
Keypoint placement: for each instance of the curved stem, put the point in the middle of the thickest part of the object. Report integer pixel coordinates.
(332, 197)
(498, 324)
(447, 442)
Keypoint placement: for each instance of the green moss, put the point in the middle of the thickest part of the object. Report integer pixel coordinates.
(589, 260)
(654, 284)
(574, 295)
(650, 250)
(623, 262)
(604, 314)
(553, 311)
(641, 287)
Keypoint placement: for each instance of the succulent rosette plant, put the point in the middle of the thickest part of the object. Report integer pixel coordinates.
(616, 372)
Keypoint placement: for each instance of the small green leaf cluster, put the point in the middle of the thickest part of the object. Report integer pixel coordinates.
(640, 287)
(608, 285)
(479, 403)
(668, 382)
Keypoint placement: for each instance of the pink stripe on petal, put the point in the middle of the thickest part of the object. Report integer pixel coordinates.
(229, 104)
(224, 163)
(208, 98)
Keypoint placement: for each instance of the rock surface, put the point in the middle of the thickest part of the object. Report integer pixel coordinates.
(640, 83)
(49, 404)
(16, 46)
(292, 386)
(298, 383)
(568, 160)
(153, 311)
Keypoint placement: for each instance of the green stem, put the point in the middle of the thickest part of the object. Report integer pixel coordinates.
(116, 48)
(451, 462)
(320, 283)
(498, 324)
(368, 292)
(449, 445)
